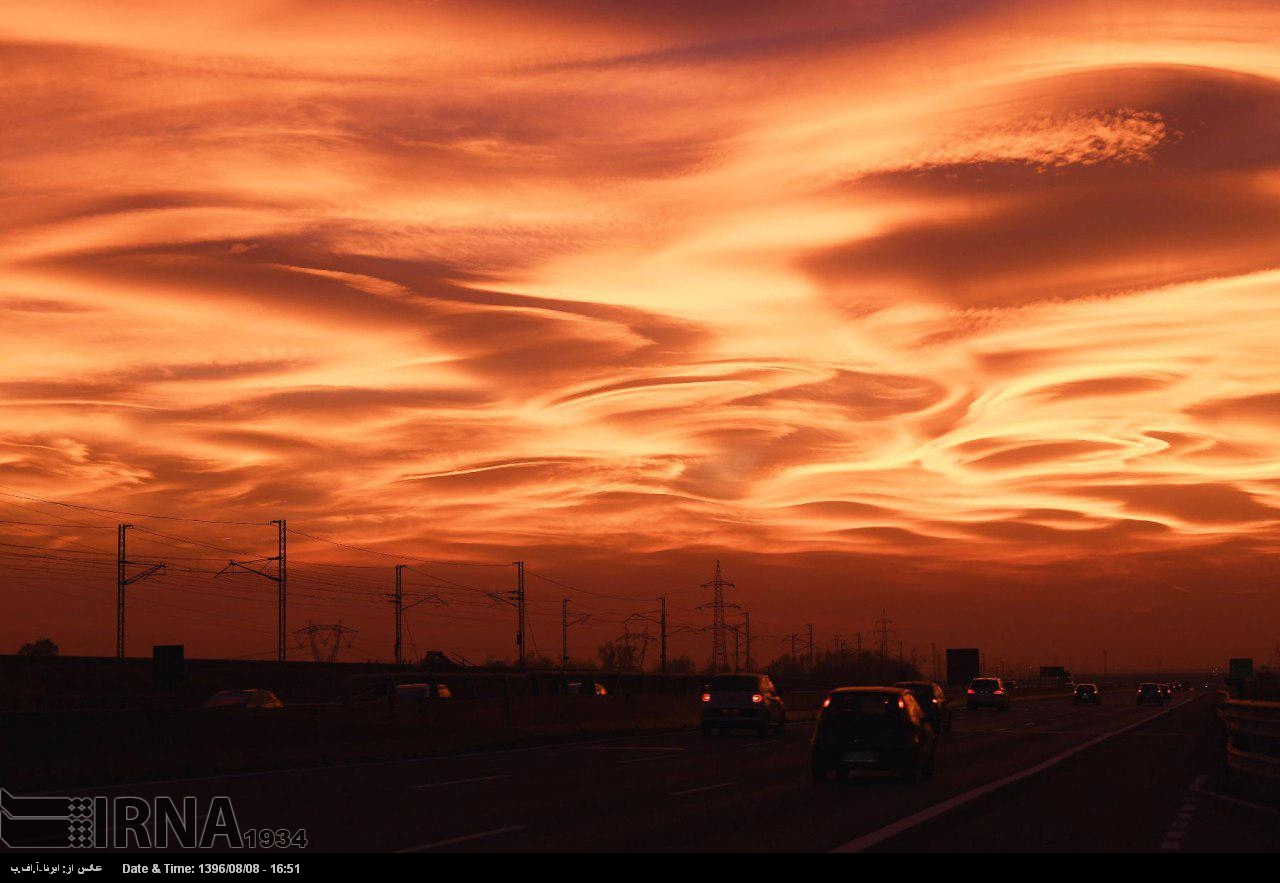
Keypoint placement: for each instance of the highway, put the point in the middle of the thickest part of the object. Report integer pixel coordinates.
(1045, 776)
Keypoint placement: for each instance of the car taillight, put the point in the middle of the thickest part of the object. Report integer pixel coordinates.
(934, 701)
(970, 691)
(902, 704)
(999, 692)
(826, 703)
(757, 698)
(706, 697)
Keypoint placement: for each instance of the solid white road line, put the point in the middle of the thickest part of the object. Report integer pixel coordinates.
(866, 841)
(703, 788)
(1198, 788)
(464, 839)
(460, 782)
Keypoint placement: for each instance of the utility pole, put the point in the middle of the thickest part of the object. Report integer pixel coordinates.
(900, 653)
(858, 637)
(1104, 662)
(280, 578)
(810, 627)
(662, 626)
(746, 621)
(519, 566)
(122, 580)
(719, 650)
(282, 581)
(398, 601)
(933, 654)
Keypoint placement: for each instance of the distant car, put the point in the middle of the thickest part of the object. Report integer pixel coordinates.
(1086, 694)
(585, 688)
(1150, 693)
(1167, 690)
(987, 693)
(423, 691)
(873, 728)
(243, 699)
(743, 701)
(933, 701)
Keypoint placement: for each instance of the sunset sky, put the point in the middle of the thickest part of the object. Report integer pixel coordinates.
(968, 311)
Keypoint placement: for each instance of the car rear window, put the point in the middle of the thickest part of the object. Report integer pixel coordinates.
(985, 682)
(735, 683)
(864, 704)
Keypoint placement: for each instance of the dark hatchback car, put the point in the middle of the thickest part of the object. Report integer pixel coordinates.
(933, 701)
(743, 701)
(1086, 694)
(1150, 693)
(873, 728)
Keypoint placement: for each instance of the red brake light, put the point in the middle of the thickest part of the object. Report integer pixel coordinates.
(999, 692)
(901, 704)
(826, 703)
(706, 697)
(970, 691)
(756, 697)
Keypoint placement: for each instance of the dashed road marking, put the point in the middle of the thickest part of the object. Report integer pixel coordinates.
(702, 789)
(460, 782)
(463, 839)
(1182, 821)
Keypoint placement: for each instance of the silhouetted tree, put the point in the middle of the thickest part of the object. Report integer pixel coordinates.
(42, 647)
(681, 665)
(617, 656)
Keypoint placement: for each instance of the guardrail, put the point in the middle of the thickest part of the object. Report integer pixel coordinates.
(1253, 737)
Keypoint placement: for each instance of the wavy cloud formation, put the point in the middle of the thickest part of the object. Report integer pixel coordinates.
(932, 295)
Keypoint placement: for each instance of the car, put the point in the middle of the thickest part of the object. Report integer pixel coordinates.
(1150, 693)
(987, 693)
(1086, 694)
(252, 698)
(1167, 690)
(873, 728)
(585, 688)
(742, 701)
(933, 701)
(422, 692)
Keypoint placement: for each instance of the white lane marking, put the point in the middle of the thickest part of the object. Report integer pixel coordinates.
(460, 782)
(866, 841)
(463, 839)
(1199, 788)
(1178, 827)
(633, 748)
(703, 788)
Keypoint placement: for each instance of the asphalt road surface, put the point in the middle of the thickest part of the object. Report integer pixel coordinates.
(1044, 776)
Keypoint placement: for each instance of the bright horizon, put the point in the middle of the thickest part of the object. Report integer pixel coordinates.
(963, 311)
